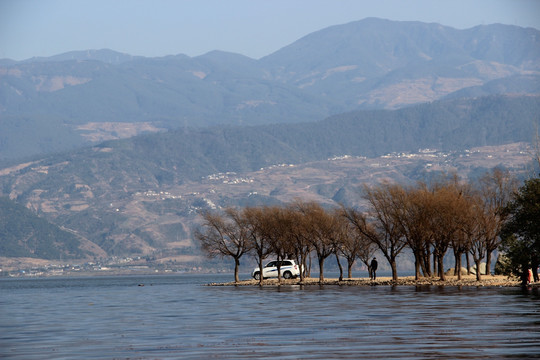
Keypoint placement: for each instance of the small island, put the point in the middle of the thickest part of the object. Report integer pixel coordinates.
(466, 280)
(427, 220)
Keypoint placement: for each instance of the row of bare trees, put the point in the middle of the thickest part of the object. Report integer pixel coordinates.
(286, 232)
(429, 219)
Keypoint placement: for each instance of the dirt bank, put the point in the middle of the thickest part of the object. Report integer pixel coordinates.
(467, 280)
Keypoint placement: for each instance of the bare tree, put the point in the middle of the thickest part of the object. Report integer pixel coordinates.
(476, 230)
(339, 237)
(461, 216)
(276, 226)
(299, 235)
(381, 227)
(320, 228)
(224, 235)
(359, 221)
(460, 245)
(496, 189)
(389, 239)
(259, 242)
(411, 211)
(358, 244)
(353, 244)
(367, 250)
(446, 218)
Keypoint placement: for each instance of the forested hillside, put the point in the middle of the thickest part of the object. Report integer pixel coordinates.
(23, 234)
(189, 154)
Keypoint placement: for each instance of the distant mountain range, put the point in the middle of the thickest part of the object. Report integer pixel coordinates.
(141, 195)
(103, 153)
(80, 98)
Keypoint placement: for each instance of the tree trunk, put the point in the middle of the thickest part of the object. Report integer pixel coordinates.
(299, 262)
(321, 269)
(440, 265)
(488, 262)
(435, 262)
(468, 263)
(278, 269)
(416, 266)
(456, 254)
(478, 275)
(423, 267)
(524, 274)
(394, 270)
(261, 270)
(427, 260)
(236, 267)
(303, 270)
(349, 268)
(340, 268)
(458, 266)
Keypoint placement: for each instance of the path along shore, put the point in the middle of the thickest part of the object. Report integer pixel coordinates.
(466, 280)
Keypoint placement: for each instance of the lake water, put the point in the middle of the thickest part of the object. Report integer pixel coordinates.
(177, 317)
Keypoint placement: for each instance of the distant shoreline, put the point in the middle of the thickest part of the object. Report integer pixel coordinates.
(467, 280)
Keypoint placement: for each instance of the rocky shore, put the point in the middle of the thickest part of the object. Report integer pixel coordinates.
(467, 280)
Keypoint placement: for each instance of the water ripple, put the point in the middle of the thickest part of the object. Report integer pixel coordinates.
(176, 317)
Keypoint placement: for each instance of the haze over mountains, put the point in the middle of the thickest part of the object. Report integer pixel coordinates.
(315, 119)
(62, 102)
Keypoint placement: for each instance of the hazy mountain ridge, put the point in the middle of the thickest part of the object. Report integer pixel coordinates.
(405, 57)
(140, 195)
(368, 64)
(107, 56)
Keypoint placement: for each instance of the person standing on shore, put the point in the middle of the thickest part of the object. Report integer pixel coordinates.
(373, 268)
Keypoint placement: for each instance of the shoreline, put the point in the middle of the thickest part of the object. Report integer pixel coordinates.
(467, 280)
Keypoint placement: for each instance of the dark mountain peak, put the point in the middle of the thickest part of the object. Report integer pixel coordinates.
(378, 46)
(173, 57)
(229, 64)
(104, 55)
(387, 26)
(219, 55)
(375, 45)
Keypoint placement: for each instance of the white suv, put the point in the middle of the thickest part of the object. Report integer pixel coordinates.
(288, 268)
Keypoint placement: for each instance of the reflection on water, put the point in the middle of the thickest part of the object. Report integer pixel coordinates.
(173, 317)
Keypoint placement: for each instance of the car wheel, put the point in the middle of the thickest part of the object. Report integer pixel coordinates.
(287, 275)
(257, 276)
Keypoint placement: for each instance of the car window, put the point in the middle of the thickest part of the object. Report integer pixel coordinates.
(271, 264)
(286, 263)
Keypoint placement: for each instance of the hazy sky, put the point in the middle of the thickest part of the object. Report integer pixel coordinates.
(254, 28)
